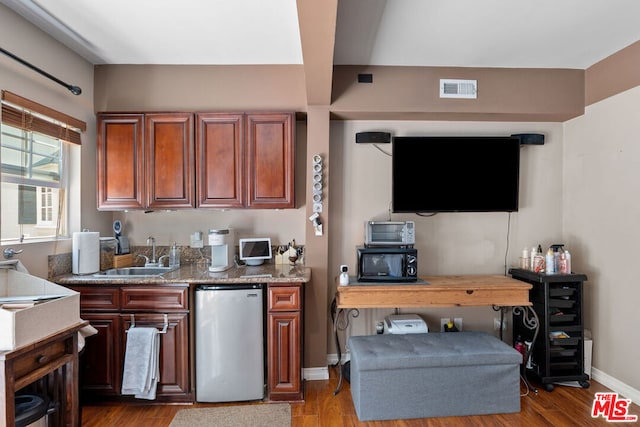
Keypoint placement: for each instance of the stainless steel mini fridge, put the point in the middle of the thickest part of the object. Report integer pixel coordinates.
(229, 342)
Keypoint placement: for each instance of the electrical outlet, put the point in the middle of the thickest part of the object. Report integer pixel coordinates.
(458, 323)
(496, 324)
(443, 321)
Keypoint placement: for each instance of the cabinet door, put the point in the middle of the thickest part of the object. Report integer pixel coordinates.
(219, 165)
(100, 367)
(174, 384)
(284, 356)
(169, 160)
(120, 161)
(270, 160)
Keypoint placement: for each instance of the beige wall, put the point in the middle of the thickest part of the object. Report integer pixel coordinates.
(199, 88)
(504, 94)
(30, 44)
(601, 210)
(448, 243)
(615, 74)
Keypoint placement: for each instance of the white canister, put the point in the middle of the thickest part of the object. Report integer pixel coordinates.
(85, 252)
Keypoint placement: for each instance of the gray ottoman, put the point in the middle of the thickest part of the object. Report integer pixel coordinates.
(433, 375)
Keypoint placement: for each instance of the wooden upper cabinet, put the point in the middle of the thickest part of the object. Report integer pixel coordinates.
(219, 165)
(270, 159)
(238, 160)
(120, 161)
(169, 160)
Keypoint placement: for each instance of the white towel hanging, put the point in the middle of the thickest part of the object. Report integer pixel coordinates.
(141, 363)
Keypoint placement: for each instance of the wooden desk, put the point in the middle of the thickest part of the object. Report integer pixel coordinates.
(440, 291)
(30, 363)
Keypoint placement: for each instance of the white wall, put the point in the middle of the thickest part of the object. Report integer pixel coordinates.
(448, 243)
(601, 213)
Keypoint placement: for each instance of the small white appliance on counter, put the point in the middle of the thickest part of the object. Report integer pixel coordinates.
(255, 250)
(400, 324)
(390, 233)
(85, 250)
(222, 250)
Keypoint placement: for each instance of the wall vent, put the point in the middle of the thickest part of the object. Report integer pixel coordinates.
(452, 88)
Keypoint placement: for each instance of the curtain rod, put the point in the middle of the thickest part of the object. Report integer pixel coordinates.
(74, 89)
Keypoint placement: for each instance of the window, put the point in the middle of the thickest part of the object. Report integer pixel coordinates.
(46, 206)
(34, 171)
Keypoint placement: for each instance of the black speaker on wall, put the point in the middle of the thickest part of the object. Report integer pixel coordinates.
(530, 138)
(373, 137)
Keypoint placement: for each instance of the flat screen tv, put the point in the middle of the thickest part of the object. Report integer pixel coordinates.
(455, 174)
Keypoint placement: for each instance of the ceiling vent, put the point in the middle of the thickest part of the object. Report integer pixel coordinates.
(452, 88)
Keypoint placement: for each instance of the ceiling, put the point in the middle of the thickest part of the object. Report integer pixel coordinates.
(465, 33)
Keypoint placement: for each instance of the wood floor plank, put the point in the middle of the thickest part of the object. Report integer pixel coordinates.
(564, 406)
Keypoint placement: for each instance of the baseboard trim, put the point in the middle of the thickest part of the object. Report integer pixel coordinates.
(616, 385)
(333, 358)
(316, 374)
(322, 373)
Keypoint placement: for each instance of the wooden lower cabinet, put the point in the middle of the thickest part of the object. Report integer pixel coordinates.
(112, 309)
(284, 342)
(174, 351)
(102, 360)
(100, 370)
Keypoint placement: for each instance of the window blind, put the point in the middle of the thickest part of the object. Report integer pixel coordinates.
(29, 115)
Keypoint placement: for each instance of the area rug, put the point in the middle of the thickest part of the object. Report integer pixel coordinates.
(260, 415)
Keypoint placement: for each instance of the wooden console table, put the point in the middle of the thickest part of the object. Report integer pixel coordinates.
(438, 291)
(30, 363)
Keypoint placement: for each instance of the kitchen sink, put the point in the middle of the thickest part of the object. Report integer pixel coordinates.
(125, 272)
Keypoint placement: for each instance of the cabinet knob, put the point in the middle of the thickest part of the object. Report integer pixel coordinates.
(42, 359)
(469, 291)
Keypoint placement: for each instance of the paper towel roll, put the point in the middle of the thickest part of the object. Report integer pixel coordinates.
(85, 252)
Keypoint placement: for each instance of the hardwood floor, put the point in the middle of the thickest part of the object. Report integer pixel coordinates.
(564, 406)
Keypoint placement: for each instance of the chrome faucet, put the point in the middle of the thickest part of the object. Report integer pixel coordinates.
(10, 252)
(152, 262)
(152, 242)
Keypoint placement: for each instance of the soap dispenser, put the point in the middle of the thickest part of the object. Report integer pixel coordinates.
(174, 256)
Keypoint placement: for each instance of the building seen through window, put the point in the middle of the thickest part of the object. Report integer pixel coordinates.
(33, 185)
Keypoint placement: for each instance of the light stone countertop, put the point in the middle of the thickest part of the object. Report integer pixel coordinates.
(199, 274)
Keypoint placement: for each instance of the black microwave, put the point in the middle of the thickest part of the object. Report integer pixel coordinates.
(390, 264)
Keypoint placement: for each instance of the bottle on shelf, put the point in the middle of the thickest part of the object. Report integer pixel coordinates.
(539, 261)
(550, 262)
(562, 263)
(558, 249)
(524, 260)
(532, 254)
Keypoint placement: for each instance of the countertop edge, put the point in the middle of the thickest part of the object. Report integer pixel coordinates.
(190, 274)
